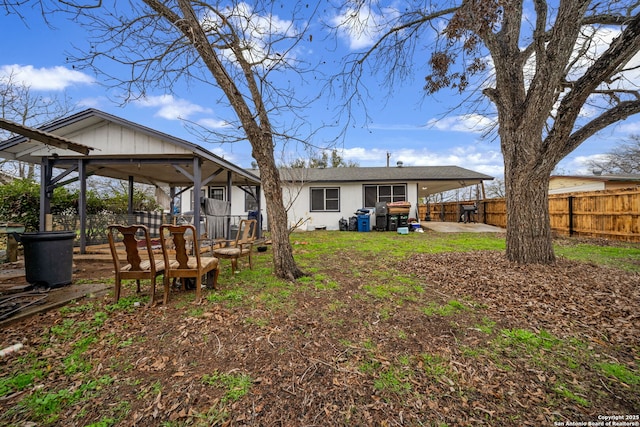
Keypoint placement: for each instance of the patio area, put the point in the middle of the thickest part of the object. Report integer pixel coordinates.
(460, 227)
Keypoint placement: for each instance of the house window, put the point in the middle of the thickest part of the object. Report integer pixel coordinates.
(384, 193)
(213, 193)
(216, 193)
(325, 199)
(250, 202)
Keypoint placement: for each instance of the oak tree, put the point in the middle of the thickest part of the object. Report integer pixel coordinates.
(554, 73)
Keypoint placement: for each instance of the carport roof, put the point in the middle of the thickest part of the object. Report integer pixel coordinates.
(120, 149)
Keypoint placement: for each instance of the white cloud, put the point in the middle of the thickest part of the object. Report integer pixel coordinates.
(578, 165)
(629, 128)
(172, 108)
(474, 123)
(260, 34)
(213, 123)
(53, 78)
(93, 102)
(489, 162)
(360, 28)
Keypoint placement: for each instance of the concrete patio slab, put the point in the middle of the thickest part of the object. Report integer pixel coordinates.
(460, 227)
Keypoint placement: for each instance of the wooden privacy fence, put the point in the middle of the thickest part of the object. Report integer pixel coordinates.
(613, 214)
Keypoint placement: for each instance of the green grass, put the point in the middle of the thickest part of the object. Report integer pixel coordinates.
(392, 247)
(232, 297)
(394, 379)
(621, 372)
(47, 405)
(19, 381)
(564, 391)
(530, 340)
(449, 309)
(435, 366)
(383, 290)
(235, 386)
(625, 257)
(128, 304)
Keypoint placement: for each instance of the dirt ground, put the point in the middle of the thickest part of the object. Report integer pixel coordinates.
(321, 358)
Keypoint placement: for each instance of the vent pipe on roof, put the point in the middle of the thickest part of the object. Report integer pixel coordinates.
(597, 172)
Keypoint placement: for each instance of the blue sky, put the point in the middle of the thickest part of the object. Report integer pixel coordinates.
(411, 128)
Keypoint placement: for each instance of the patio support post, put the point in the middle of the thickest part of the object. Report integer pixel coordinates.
(172, 203)
(46, 172)
(197, 186)
(229, 182)
(259, 201)
(130, 202)
(82, 205)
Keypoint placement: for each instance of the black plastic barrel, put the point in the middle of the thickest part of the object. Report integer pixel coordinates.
(48, 257)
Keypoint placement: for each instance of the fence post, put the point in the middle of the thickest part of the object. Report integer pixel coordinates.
(484, 211)
(570, 201)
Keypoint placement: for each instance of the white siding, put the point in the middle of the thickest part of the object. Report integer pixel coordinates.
(298, 201)
(113, 139)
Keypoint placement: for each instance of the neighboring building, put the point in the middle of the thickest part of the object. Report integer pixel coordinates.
(320, 197)
(580, 183)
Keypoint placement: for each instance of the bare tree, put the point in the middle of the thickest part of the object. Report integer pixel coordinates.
(239, 50)
(20, 104)
(624, 158)
(323, 160)
(540, 65)
(495, 188)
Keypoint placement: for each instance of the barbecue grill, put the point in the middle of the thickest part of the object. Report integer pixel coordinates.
(467, 212)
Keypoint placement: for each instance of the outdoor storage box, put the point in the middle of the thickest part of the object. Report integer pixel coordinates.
(403, 230)
(399, 208)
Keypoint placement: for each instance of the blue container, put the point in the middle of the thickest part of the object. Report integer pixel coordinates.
(364, 223)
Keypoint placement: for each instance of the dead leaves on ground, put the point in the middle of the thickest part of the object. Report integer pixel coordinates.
(319, 364)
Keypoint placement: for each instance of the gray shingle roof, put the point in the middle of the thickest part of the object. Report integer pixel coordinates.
(380, 174)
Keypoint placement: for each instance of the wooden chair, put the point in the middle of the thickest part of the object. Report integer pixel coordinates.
(177, 242)
(240, 247)
(135, 268)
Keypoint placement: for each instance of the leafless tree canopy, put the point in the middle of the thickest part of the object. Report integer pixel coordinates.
(623, 159)
(243, 53)
(20, 104)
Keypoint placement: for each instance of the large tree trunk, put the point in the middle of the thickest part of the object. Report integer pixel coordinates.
(527, 170)
(529, 238)
(255, 122)
(284, 264)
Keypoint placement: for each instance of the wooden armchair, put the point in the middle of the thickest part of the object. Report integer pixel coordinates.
(240, 247)
(133, 267)
(177, 242)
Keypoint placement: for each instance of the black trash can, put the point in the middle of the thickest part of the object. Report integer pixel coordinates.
(48, 257)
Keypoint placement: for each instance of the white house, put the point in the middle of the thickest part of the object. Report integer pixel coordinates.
(320, 197)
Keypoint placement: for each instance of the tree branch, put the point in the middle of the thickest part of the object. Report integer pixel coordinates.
(615, 114)
(394, 30)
